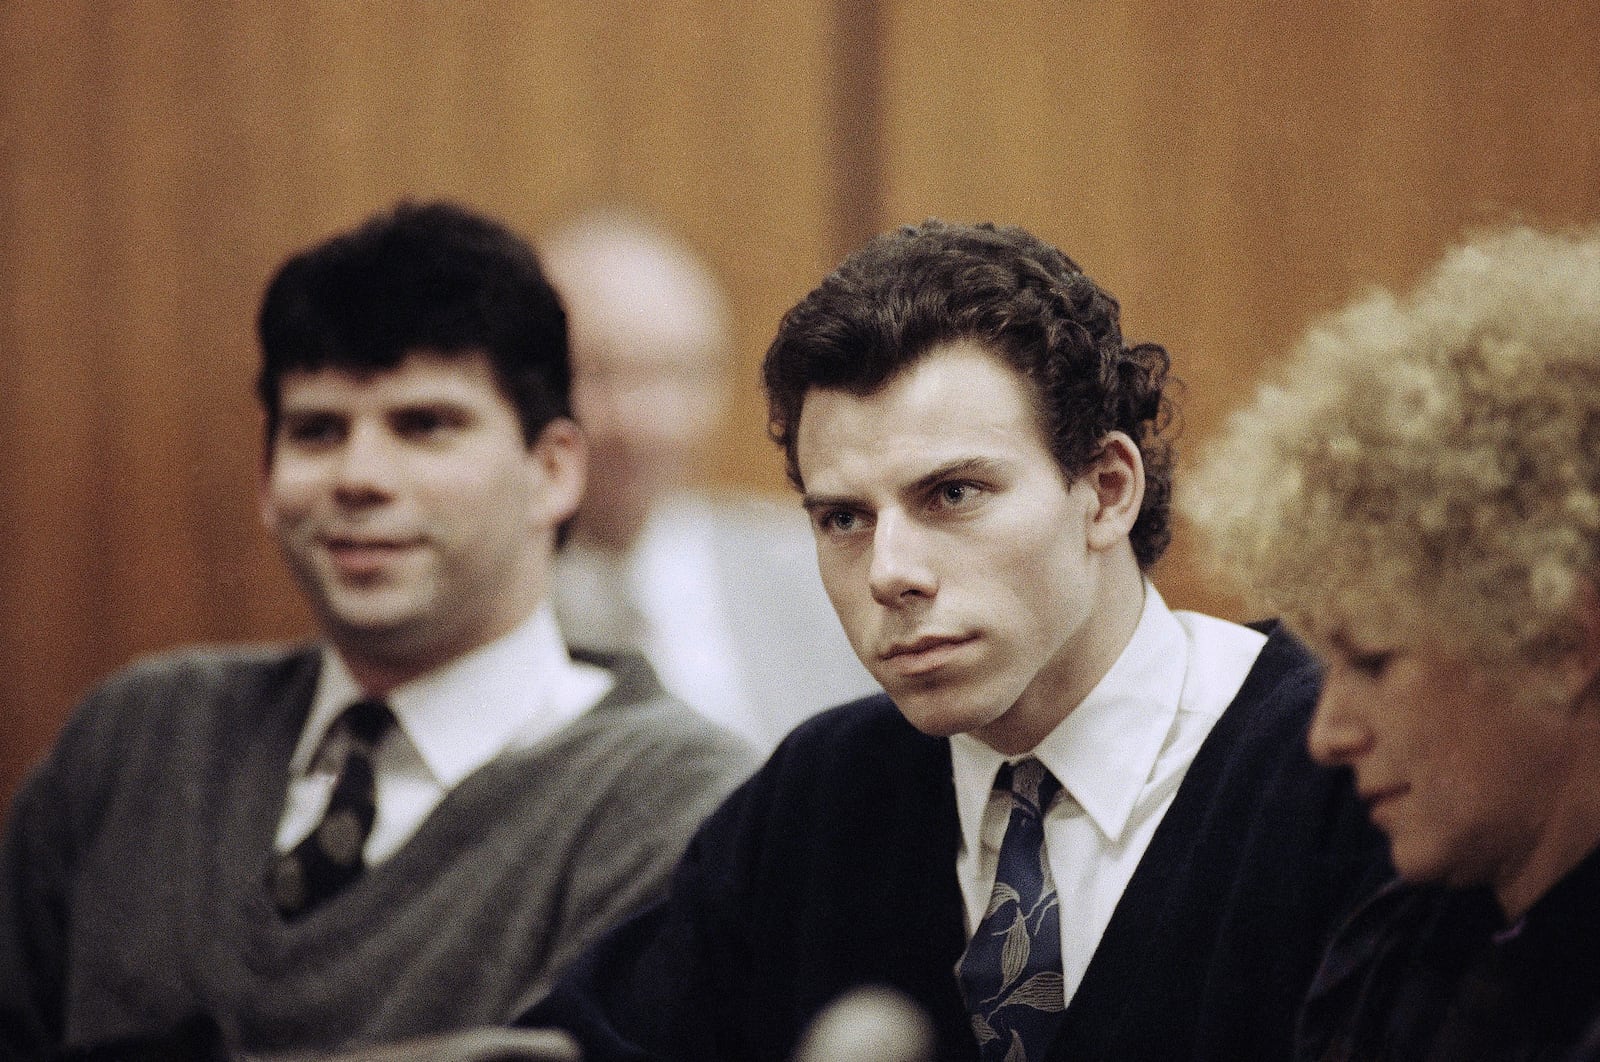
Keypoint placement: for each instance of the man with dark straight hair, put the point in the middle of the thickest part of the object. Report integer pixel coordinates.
(412, 824)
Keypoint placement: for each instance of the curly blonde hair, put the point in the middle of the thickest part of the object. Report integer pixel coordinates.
(1426, 469)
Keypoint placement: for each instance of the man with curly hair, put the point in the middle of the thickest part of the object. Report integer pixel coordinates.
(1420, 498)
(1077, 825)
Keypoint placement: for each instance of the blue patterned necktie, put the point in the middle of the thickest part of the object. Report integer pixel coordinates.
(330, 857)
(1010, 976)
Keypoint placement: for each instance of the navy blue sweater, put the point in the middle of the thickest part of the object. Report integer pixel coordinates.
(834, 866)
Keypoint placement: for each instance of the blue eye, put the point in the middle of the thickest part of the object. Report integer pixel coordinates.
(837, 521)
(956, 494)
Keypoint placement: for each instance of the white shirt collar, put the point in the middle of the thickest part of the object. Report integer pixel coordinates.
(1106, 748)
(520, 688)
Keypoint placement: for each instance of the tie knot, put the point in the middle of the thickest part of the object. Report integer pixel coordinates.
(366, 720)
(1030, 782)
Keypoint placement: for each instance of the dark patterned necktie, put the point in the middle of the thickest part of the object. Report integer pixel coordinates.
(1010, 976)
(330, 857)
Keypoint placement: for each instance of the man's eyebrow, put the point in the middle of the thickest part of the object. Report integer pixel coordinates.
(812, 502)
(964, 466)
(309, 409)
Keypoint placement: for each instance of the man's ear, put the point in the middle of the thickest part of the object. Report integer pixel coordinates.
(559, 458)
(1116, 476)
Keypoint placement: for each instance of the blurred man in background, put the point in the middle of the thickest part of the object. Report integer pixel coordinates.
(410, 825)
(720, 593)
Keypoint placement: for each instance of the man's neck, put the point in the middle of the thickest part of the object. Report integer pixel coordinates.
(1081, 664)
(379, 668)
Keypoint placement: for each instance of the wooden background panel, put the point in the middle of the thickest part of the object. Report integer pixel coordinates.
(1228, 168)
(163, 156)
(1232, 169)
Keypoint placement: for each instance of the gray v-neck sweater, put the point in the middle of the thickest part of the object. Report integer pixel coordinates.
(132, 882)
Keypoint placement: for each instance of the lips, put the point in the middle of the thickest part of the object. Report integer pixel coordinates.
(362, 555)
(925, 654)
(1378, 799)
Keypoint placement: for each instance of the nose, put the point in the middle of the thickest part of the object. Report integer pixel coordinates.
(364, 469)
(900, 570)
(1338, 735)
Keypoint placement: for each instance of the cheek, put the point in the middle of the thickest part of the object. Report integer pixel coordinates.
(1465, 746)
(1461, 800)
(515, 499)
(286, 500)
(1503, 774)
(464, 482)
(1453, 831)
(1042, 584)
(846, 589)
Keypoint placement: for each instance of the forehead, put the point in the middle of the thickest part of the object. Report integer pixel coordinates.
(421, 376)
(636, 337)
(955, 403)
(634, 305)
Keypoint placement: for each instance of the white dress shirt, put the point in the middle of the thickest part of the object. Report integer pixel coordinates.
(1120, 756)
(663, 598)
(509, 694)
(673, 575)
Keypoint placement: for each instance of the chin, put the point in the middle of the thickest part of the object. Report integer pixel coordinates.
(377, 607)
(377, 627)
(1417, 866)
(942, 714)
(377, 623)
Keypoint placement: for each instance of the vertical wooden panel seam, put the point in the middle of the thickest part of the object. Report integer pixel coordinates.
(857, 146)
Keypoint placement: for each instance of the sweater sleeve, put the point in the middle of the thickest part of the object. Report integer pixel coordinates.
(113, 746)
(658, 791)
(33, 889)
(51, 819)
(667, 983)
(786, 897)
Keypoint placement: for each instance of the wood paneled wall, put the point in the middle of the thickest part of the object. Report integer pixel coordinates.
(162, 156)
(1231, 169)
(1228, 168)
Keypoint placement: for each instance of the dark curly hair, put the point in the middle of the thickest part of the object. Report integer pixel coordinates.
(430, 276)
(927, 285)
